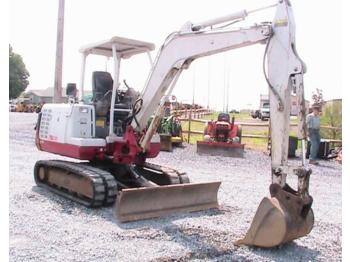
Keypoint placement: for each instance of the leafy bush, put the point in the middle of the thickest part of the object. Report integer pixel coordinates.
(332, 116)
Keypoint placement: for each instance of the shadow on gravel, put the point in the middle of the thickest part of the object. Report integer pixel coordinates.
(202, 243)
(167, 220)
(323, 165)
(207, 244)
(108, 213)
(196, 239)
(66, 206)
(289, 252)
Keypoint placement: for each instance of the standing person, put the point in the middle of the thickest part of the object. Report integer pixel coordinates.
(313, 125)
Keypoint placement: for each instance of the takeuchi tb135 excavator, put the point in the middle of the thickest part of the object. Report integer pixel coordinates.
(110, 137)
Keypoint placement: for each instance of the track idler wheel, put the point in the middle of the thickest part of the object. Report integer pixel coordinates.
(280, 219)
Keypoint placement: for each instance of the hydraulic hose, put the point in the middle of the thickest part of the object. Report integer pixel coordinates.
(274, 91)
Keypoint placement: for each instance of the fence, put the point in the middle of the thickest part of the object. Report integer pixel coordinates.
(246, 124)
(193, 113)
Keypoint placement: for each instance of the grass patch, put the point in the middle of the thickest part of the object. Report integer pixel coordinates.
(255, 143)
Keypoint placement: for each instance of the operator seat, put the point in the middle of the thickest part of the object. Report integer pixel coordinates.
(224, 117)
(102, 86)
(102, 83)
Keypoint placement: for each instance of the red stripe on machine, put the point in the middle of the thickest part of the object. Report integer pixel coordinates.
(69, 150)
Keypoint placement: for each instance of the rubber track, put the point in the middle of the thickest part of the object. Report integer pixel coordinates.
(111, 186)
(176, 177)
(104, 184)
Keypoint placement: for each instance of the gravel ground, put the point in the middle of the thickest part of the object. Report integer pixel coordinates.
(46, 227)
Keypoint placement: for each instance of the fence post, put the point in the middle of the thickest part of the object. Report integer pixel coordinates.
(189, 126)
(269, 137)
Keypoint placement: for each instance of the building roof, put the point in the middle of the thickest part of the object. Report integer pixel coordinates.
(125, 47)
(48, 92)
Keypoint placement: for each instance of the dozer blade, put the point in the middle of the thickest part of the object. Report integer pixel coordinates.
(279, 219)
(220, 149)
(149, 202)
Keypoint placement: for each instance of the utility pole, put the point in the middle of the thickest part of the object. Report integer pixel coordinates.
(225, 86)
(228, 87)
(191, 110)
(209, 71)
(57, 92)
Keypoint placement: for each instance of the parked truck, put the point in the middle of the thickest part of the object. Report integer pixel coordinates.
(263, 112)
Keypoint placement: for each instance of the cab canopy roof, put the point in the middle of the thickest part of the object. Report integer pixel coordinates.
(125, 47)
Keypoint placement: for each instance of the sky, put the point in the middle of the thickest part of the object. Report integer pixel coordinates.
(33, 27)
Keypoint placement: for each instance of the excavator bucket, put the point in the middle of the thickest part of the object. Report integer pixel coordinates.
(149, 202)
(279, 219)
(220, 149)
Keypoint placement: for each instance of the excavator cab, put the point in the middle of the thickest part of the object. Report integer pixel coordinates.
(102, 87)
(113, 106)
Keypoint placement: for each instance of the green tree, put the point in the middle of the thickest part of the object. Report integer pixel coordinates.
(332, 116)
(18, 74)
(317, 97)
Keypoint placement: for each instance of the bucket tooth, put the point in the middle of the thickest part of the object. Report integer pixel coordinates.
(149, 202)
(279, 219)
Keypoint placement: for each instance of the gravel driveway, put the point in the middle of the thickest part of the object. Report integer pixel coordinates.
(46, 227)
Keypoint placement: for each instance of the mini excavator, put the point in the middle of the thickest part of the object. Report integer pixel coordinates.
(111, 142)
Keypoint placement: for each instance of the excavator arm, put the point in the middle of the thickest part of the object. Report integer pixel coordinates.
(287, 215)
(181, 49)
(176, 54)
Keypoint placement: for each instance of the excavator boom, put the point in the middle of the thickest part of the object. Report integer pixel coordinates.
(284, 73)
